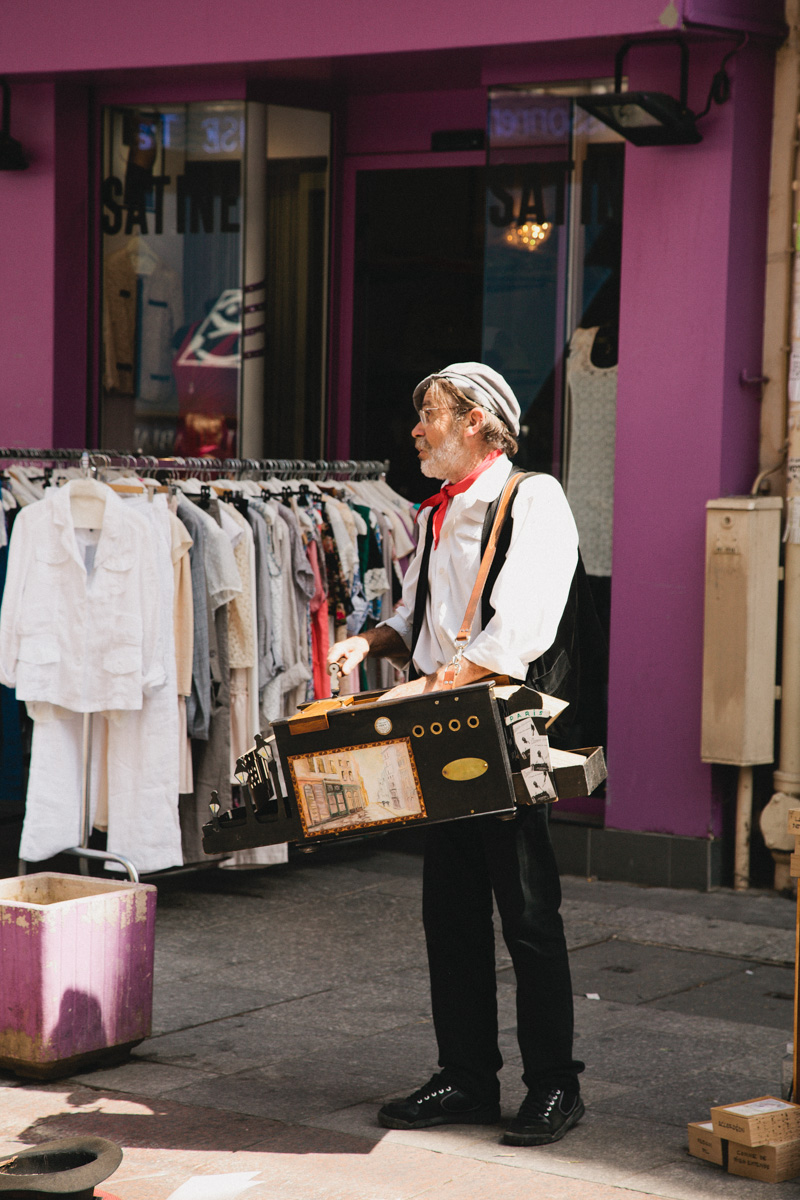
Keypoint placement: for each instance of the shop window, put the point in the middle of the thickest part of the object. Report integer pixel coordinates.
(501, 262)
(171, 277)
(552, 258)
(214, 220)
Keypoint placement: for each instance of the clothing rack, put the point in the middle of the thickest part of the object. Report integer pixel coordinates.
(92, 461)
(279, 468)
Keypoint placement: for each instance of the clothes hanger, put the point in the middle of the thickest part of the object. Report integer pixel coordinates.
(87, 498)
(143, 257)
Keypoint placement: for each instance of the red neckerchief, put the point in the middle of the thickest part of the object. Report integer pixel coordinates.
(442, 499)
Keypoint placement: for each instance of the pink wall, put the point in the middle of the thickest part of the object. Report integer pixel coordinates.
(73, 222)
(403, 122)
(692, 295)
(91, 35)
(27, 258)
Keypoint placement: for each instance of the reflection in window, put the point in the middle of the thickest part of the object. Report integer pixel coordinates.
(297, 208)
(171, 225)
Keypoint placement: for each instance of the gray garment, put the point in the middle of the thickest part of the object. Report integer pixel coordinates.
(379, 671)
(198, 704)
(271, 698)
(275, 661)
(265, 661)
(304, 582)
(305, 585)
(212, 758)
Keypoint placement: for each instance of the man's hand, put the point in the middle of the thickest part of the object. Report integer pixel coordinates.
(349, 653)
(380, 642)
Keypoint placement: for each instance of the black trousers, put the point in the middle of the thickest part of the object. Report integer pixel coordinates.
(465, 862)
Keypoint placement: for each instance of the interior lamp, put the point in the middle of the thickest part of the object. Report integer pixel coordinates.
(12, 156)
(529, 235)
(646, 118)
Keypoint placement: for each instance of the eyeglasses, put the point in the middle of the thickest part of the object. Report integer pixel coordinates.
(426, 415)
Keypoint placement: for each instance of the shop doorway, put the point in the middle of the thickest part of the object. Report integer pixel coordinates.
(418, 300)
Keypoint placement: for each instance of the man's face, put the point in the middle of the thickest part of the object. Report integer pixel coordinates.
(439, 441)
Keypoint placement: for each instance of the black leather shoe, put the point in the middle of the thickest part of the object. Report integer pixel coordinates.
(544, 1116)
(438, 1103)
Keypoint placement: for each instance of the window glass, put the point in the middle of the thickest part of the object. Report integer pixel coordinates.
(552, 254)
(171, 277)
(297, 212)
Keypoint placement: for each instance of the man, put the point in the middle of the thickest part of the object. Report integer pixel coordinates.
(468, 419)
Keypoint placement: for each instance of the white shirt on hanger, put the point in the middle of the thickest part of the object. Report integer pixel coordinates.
(81, 639)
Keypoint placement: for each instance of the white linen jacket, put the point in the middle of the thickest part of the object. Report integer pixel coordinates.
(87, 642)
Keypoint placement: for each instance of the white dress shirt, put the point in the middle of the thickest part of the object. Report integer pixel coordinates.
(530, 591)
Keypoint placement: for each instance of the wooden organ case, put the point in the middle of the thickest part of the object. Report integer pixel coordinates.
(357, 765)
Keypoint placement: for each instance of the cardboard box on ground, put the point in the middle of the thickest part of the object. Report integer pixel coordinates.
(757, 1139)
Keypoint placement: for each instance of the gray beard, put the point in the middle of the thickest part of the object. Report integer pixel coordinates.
(450, 460)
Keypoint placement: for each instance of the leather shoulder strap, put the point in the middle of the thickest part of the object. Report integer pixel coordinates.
(503, 542)
(505, 501)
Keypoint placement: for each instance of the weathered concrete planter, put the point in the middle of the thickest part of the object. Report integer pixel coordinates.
(76, 971)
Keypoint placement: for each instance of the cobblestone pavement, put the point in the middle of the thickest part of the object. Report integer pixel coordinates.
(290, 1002)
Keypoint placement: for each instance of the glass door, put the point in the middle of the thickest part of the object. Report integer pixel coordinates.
(551, 309)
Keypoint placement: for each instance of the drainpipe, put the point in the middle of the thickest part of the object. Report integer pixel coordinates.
(780, 418)
(787, 775)
(780, 257)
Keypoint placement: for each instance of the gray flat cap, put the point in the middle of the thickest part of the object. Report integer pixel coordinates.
(482, 384)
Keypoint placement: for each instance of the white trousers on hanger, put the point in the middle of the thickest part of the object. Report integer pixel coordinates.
(135, 757)
(134, 760)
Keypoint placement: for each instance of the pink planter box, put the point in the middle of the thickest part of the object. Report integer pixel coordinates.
(76, 971)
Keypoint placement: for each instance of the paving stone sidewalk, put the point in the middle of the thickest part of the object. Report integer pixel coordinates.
(291, 1001)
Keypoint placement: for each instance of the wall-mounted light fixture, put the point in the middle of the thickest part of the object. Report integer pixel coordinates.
(646, 118)
(12, 156)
